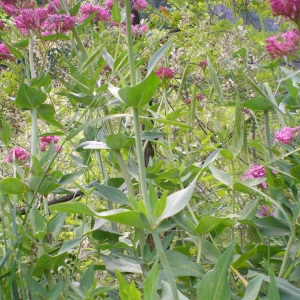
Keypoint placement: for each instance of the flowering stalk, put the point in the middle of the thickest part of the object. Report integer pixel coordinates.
(141, 163)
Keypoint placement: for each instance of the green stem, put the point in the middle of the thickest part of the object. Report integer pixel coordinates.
(51, 282)
(267, 132)
(166, 265)
(233, 201)
(34, 133)
(286, 255)
(141, 163)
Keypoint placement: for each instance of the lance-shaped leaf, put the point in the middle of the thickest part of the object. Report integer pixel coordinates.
(215, 285)
(47, 112)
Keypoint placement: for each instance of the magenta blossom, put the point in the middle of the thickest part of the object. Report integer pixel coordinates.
(203, 64)
(200, 96)
(56, 24)
(139, 29)
(102, 14)
(108, 4)
(288, 45)
(46, 141)
(5, 53)
(18, 153)
(266, 211)
(138, 4)
(287, 8)
(165, 73)
(15, 7)
(188, 101)
(256, 172)
(286, 135)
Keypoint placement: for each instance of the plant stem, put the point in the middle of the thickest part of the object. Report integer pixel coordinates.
(166, 265)
(267, 132)
(286, 255)
(51, 282)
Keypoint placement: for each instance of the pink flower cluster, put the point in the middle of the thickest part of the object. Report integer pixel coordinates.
(256, 171)
(46, 141)
(18, 154)
(139, 29)
(15, 7)
(287, 8)
(138, 4)
(286, 135)
(108, 4)
(266, 211)
(102, 14)
(203, 64)
(165, 73)
(288, 44)
(5, 52)
(200, 96)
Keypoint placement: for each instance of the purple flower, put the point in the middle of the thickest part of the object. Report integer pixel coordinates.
(56, 24)
(288, 45)
(46, 141)
(102, 14)
(18, 154)
(255, 172)
(139, 29)
(287, 8)
(5, 53)
(108, 4)
(200, 96)
(165, 73)
(266, 211)
(138, 4)
(15, 7)
(286, 135)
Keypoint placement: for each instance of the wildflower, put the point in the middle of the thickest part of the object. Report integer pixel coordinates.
(203, 64)
(288, 45)
(287, 8)
(45, 141)
(102, 14)
(266, 211)
(188, 101)
(56, 24)
(139, 29)
(165, 73)
(286, 135)
(256, 171)
(5, 52)
(15, 7)
(18, 154)
(108, 4)
(200, 96)
(138, 4)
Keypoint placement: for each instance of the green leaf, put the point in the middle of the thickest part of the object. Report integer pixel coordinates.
(74, 208)
(272, 227)
(295, 172)
(68, 178)
(182, 265)
(211, 158)
(13, 186)
(250, 210)
(48, 262)
(253, 288)
(118, 141)
(167, 291)
(55, 291)
(116, 13)
(15, 52)
(69, 245)
(258, 104)
(151, 281)
(273, 292)
(29, 97)
(140, 94)
(111, 193)
(126, 217)
(39, 225)
(238, 130)
(55, 37)
(87, 280)
(157, 56)
(5, 132)
(123, 285)
(215, 285)
(47, 112)
(241, 52)
(56, 223)
(45, 187)
(134, 293)
(36, 167)
(177, 201)
(221, 176)
(114, 265)
(215, 80)
(209, 223)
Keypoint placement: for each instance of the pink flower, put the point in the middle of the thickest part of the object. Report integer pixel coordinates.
(18, 154)
(288, 8)
(203, 64)
(139, 29)
(138, 4)
(5, 53)
(31, 19)
(188, 101)
(165, 73)
(286, 135)
(108, 4)
(288, 45)
(266, 211)
(102, 14)
(256, 171)
(56, 24)
(15, 7)
(48, 139)
(200, 96)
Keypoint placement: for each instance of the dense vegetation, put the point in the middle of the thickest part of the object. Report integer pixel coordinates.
(150, 150)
